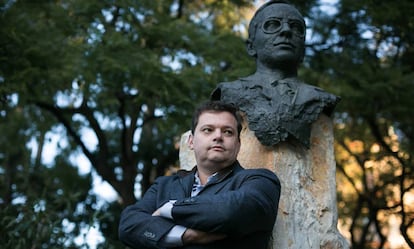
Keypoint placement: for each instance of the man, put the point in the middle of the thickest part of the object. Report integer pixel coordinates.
(277, 104)
(217, 205)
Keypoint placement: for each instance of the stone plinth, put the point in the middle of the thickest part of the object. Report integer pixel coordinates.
(307, 216)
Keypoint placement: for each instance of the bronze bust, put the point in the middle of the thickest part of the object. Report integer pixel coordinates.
(278, 105)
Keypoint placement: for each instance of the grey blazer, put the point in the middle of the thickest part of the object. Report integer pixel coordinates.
(241, 203)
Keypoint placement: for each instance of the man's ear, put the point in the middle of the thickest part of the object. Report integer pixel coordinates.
(250, 48)
(190, 141)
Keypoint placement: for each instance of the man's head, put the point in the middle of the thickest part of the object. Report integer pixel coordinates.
(215, 136)
(277, 34)
(217, 106)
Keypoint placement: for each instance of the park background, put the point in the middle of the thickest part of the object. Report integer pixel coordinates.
(94, 96)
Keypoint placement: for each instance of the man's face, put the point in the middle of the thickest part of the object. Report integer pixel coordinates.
(215, 141)
(279, 36)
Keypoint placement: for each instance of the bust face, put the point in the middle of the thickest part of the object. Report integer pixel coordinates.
(279, 37)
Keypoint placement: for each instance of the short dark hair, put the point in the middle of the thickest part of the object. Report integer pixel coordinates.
(217, 106)
(254, 23)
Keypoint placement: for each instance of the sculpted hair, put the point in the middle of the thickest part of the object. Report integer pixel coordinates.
(254, 22)
(217, 106)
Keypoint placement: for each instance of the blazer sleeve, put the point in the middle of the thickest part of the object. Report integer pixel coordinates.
(249, 205)
(138, 228)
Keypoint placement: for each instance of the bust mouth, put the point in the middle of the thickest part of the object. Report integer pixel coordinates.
(283, 44)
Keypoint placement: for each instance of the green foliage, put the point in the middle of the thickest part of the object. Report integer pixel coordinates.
(128, 73)
(363, 54)
(40, 207)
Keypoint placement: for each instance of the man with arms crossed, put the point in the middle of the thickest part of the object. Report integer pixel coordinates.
(218, 205)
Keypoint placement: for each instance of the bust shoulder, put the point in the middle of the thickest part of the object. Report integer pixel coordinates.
(230, 89)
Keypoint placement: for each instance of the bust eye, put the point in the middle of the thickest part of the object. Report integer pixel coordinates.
(272, 25)
(297, 28)
(275, 25)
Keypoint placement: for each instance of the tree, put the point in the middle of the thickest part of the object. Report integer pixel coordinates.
(128, 73)
(40, 206)
(363, 53)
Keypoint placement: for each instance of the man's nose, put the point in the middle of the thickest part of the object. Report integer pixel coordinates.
(218, 134)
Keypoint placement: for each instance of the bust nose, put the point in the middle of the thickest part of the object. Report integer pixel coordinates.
(285, 29)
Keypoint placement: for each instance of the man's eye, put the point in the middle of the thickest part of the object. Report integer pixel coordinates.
(207, 130)
(228, 132)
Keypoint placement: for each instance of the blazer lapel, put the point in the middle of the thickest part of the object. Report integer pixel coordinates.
(187, 181)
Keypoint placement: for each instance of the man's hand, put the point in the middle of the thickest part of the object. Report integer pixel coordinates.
(157, 212)
(192, 236)
(165, 210)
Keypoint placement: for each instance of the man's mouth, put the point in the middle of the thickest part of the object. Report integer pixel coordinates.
(217, 148)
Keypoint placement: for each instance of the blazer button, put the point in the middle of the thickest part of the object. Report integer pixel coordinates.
(189, 200)
(149, 235)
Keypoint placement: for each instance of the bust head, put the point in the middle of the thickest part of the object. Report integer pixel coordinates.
(277, 35)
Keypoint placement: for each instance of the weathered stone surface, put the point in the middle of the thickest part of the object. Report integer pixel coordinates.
(307, 216)
(186, 156)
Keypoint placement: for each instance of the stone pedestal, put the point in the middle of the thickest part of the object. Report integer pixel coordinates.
(307, 216)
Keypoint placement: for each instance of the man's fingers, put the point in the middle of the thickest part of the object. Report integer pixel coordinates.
(156, 213)
(192, 236)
